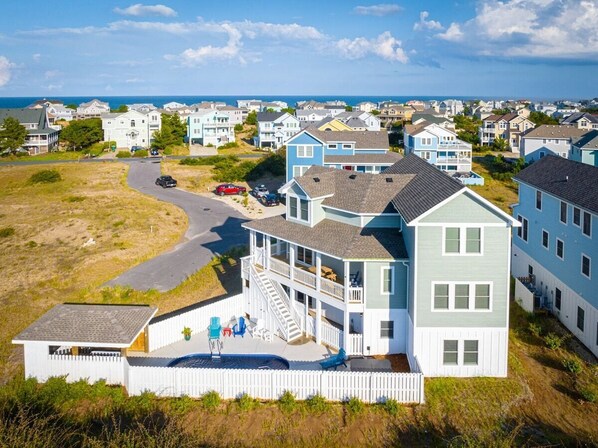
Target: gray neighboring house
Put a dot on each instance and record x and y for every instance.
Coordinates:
(41, 138)
(549, 139)
(407, 261)
(585, 149)
(582, 120)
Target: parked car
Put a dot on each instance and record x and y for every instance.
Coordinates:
(154, 152)
(260, 191)
(270, 200)
(166, 181)
(230, 189)
(136, 148)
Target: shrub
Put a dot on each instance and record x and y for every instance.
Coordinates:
(246, 403)
(167, 151)
(211, 160)
(141, 153)
(355, 406)
(287, 402)
(589, 394)
(31, 244)
(572, 365)
(317, 403)
(535, 329)
(5, 232)
(391, 406)
(553, 341)
(229, 145)
(238, 127)
(45, 177)
(123, 154)
(182, 405)
(75, 199)
(211, 400)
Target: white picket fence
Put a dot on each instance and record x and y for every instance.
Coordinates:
(163, 332)
(331, 336)
(369, 387)
(90, 368)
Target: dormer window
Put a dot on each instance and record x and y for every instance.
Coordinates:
(299, 208)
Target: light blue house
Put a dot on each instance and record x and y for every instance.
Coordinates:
(210, 127)
(585, 148)
(362, 151)
(442, 148)
(557, 243)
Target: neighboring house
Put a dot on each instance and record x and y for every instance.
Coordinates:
(93, 108)
(141, 107)
(208, 105)
(481, 112)
(444, 122)
(310, 105)
(509, 127)
(582, 120)
(409, 261)
(392, 114)
(348, 150)
(131, 128)
(245, 104)
(334, 124)
(546, 108)
(235, 114)
(312, 116)
(41, 138)
(271, 107)
(442, 148)
(450, 107)
(57, 112)
(39, 104)
(173, 105)
(275, 129)
(357, 119)
(585, 148)
(556, 245)
(210, 127)
(366, 106)
(548, 139)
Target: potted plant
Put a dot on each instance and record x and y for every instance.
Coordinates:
(187, 333)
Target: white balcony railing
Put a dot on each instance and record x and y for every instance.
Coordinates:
(280, 267)
(305, 277)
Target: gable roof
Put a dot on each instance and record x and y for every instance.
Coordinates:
(362, 139)
(587, 141)
(576, 116)
(89, 325)
(554, 131)
(269, 116)
(428, 187)
(574, 182)
(429, 118)
(25, 115)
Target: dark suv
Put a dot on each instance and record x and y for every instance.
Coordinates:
(166, 181)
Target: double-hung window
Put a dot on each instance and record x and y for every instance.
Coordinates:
(450, 354)
(577, 216)
(557, 298)
(586, 265)
(299, 170)
(560, 249)
(470, 353)
(463, 240)
(545, 239)
(461, 296)
(387, 329)
(539, 200)
(293, 206)
(304, 151)
(387, 280)
(581, 314)
(441, 297)
(563, 216)
(482, 297)
(522, 231)
(304, 210)
(587, 224)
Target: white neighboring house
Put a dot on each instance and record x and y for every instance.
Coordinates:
(131, 128)
(57, 112)
(372, 123)
(366, 106)
(173, 105)
(93, 108)
(236, 115)
(450, 107)
(247, 103)
(210, 127)
(548, 139)
(141, 107)
(275, 129)
(312, 115)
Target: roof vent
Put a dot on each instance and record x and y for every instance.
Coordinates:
(389, 179)
(316, 179)
(353, 176)
(566, 178)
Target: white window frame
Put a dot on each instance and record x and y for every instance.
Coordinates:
(540, 196)
(392, 282)
(556, 249)
(589, 276)
(303, 262)
(583, 216)
(477, 352)
(332, 146)
(462, 241)
(547, 247)
(451, 297)
(347, 146)
(302, 151)
(521, 232)
(580, 217)
(444, 351)
(392, 329)
(300, 169)
(561, 212)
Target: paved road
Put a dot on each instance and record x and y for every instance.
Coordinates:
(214, 227)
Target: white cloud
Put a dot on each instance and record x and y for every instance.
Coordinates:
(424, 24)
(139, 10)
(452, 34)
(52, 74)
(278, 30)
(5, 70)
(385, 46)
(534, 29)
(382, 9)
(133, 80)
(36, 57)
(229, 51)
(53, 87)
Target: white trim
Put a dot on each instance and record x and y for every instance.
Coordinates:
(542, 240)
(360, 214)
(582, 224)
(580, 217)
(471, 301)
(301, 133)
(392, 281)
(305, 149)
(589, 277)
(556, 249)
(302, 170)
(462, 241)
(289, 184)
(566, 221)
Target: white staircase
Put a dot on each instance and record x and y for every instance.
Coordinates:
(279, 303)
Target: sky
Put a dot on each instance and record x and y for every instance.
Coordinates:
(511, 48)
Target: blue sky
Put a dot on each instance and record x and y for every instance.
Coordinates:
(513, 48)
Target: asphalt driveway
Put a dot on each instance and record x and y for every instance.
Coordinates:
(214, 227)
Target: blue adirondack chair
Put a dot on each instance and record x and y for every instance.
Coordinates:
(240, 327)
(335, 360)
(214, 328)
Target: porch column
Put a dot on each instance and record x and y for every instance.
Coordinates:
(346, 330)
(252, 242)
(346, 282)
(267, 250)
(292, 261)
(306, 317)
(318, 321)
(318, 270)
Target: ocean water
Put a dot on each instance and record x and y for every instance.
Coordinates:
(159, 101)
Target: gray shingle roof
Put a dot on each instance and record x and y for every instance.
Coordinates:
(337, 239)
(429, 118)
(389, 157)
(588, 141)
(263, 117)
(555, 131)
(428, 187)
(362, 139)
(571, 181)
(575, 117)
(96, 325)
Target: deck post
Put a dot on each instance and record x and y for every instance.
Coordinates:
(318, 271)
(318, 321)
(267, 250)
(346, 331)
(292, 261)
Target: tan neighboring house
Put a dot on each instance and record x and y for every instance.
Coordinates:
(93, 108)
(582, 120)
(509, 127)
(389, 115)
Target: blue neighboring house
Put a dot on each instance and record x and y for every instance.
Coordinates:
(361, 151)
(585, 148)
(557, 244)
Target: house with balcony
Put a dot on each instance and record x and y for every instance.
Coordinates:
(210, 127)
(442, 148)
(549, 139)
(584, 149)
(582, 120)
(361, 151)
(555, 248)
(275, 129)
(132, 128)
(366, 106)
(92, 109)
(41, 138)
(509, 127)
(450, 107)
(409, 261)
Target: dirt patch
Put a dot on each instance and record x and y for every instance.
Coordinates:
(398, 363)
